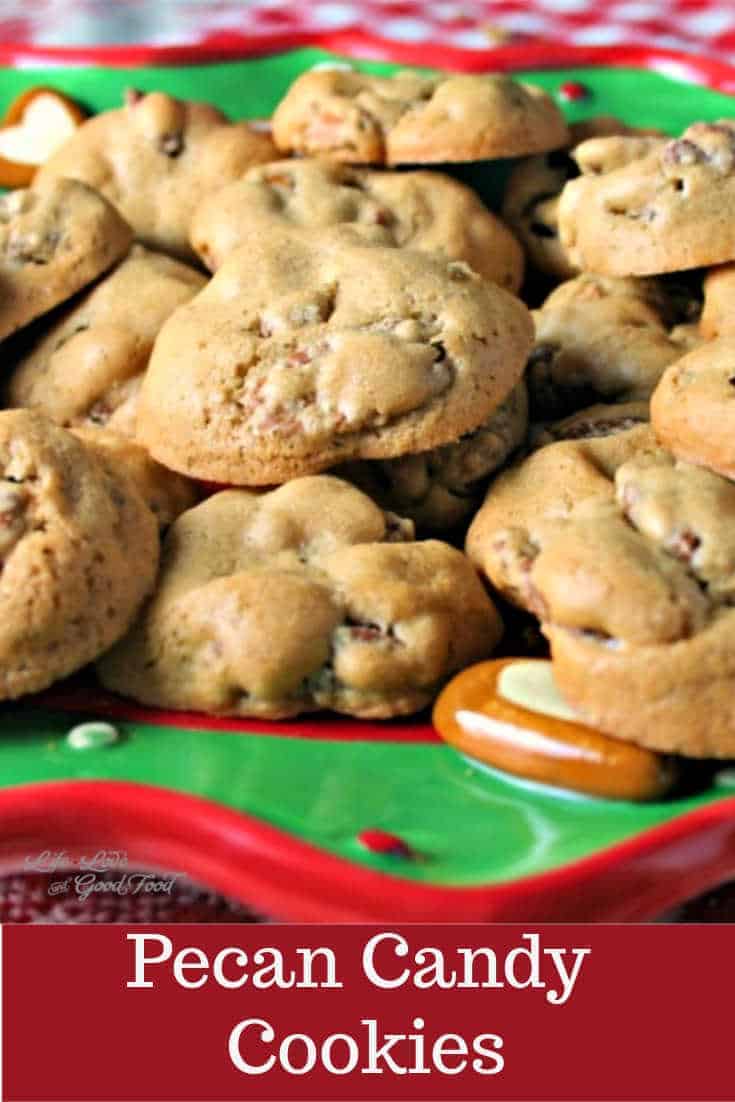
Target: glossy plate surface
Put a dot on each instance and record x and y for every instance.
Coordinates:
(273, 813)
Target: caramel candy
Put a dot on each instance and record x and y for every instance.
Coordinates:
(508, 714)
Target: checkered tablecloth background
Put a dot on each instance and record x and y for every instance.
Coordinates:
(694, 26)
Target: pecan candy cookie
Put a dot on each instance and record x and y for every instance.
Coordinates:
(439, 489)
(297, 357)
(55, 238)
(156, 158)
(627, 556)
(532, 191)
(668, 210)
(410, 118)
(718, 312)
(304, 598)
(693, 407)
(419, 210)
(78, 553)
(87, 367)
(604, 339)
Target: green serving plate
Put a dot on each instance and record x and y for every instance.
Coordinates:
(340, 819)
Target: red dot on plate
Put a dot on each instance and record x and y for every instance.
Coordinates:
(382, 841)
(572, 91)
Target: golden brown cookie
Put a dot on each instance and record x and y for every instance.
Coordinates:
(78, 553)
(602, 339)
(439, 489)
(718, 308)
(411, 118)
(166, 493)
(295, 358)
(87, 367)
(627, 555)
(427, 211)
(156, 158)
(666, 210)
(530, 207)
(55, 238)
(532, 191)
(303, 598)
(693, 407)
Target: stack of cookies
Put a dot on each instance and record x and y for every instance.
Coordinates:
(298, 356)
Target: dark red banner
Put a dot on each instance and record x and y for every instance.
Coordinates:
(431, 1013)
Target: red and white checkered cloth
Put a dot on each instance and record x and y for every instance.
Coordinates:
(704, 27)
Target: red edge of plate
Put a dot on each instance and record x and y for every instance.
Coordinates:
(281, 875)
(251, 860)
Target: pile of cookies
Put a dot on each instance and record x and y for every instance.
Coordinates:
(260, 377)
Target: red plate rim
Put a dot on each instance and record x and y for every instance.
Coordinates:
(251, 860)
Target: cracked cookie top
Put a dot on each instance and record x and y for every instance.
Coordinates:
(413, 118)
(654, 206)
(295, 358)
(55, 238)
(439, 489)
(155, 159)
(78, 552)
(307, 597)
(87, 367)
(427, 211)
